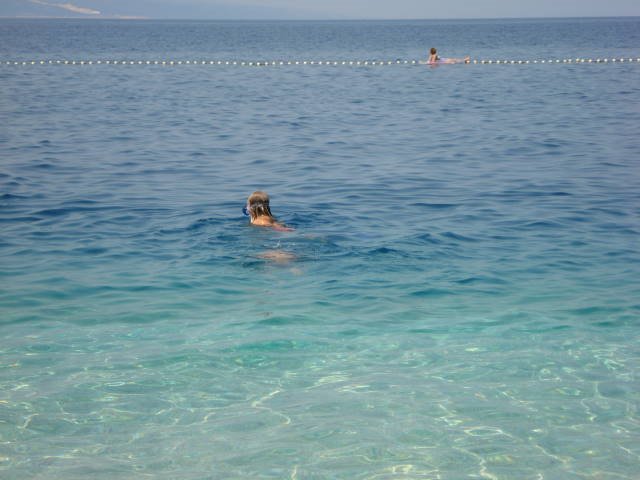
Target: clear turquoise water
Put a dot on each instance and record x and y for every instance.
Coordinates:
(465, 299)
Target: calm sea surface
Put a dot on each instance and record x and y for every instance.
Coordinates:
(465, 299)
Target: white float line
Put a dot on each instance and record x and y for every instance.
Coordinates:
(311, 62)
(556, 61)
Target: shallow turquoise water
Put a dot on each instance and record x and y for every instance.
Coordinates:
(464, 303)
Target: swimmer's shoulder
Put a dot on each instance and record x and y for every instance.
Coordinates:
(263, 222)
(271, 223)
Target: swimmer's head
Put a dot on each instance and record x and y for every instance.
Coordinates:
(433, 51)
(258, 205)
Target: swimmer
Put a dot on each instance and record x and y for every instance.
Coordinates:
(258, 210)
(434, 59)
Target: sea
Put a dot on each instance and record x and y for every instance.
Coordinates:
(460, 295)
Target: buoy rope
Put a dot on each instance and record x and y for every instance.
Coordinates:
(260, 63)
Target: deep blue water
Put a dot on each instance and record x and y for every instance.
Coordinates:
(464, 302)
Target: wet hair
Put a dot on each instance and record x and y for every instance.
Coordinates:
(433, 51)
(259, 205)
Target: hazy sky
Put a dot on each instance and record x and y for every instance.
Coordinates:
(319, 9)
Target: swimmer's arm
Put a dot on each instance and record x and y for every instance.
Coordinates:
(282, 228)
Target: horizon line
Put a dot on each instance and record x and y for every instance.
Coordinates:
(328, 19)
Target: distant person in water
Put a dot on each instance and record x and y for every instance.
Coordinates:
(260, 214)
(434, 59)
